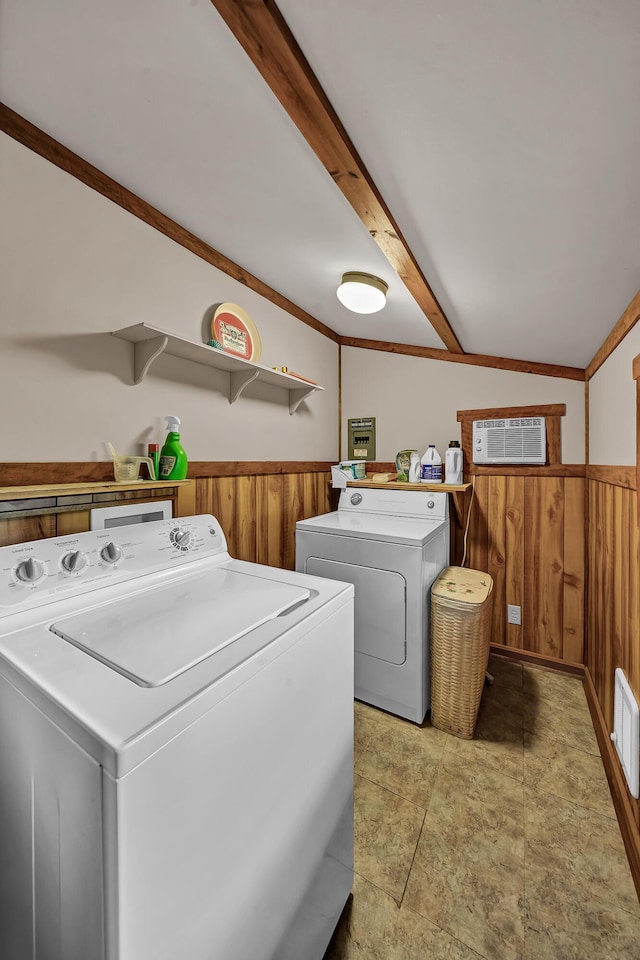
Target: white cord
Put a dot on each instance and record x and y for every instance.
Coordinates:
(466, 529)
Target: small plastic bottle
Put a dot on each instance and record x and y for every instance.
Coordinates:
(154, 456)
(431, 465)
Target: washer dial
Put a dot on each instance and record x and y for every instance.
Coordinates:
(111, 553)
(181, 539)
(74, 562)
(31, 570)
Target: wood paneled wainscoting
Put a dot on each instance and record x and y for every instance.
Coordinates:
(259, 504)
(527, 531)
(613, 622)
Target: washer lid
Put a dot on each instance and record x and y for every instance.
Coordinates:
(155, 636)
(371, 526)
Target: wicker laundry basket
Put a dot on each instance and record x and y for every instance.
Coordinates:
(461, 608)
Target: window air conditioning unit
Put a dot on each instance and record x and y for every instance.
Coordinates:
(522, 440)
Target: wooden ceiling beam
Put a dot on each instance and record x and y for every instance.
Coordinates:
(627, 321)
(470, 359)
(264, 35)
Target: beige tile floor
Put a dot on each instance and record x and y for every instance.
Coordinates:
(505, 847)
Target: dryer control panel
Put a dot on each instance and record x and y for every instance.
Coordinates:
(424, 504)
(40, 570)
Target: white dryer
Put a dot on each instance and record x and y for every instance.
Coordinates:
(391, 545)
(176, 750)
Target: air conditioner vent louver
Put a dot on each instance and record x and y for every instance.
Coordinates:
(521, 440)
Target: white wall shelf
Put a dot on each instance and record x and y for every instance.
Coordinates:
(150, 342)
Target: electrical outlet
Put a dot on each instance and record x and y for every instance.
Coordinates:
(514, 614)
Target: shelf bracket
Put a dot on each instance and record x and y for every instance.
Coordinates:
(240, 380)
(144, 353)
(297, 396)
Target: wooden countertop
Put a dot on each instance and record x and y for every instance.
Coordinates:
(400, 485)
(71, 489)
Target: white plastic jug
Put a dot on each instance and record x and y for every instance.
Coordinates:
(431, 465)
(415, 468)
(453, 466)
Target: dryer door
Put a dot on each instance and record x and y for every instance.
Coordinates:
(380, 607)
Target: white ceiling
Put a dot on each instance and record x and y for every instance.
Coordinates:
(504, 136)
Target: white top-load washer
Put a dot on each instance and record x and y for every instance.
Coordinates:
(176, 764)
(391, 545)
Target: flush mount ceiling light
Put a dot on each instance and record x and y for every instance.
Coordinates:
(362, 292)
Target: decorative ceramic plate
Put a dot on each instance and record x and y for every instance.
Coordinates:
(236, 332)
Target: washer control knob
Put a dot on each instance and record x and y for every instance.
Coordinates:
(30, 571)
(430, 504)
(111, 553)
(356, 498)
(74, 562)
(182, 539)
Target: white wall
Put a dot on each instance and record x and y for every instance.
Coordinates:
(612, 406)
(415, 400)
(75, 266)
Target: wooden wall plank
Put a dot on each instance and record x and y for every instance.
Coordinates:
(633, 669)
(269, 520)
(457, 526)
(204, 496)
(603, 622)
(496, 553)
(613, 600)
(74, 522)
(594, 574)
(544, 547)
(573, 570)
(478, 542)
(619, 600)
(634, 608)
(324, 488)
(223, 508)
(245, 518)
(310, 496)
(607, 602)
(293, 511)
(531, 587)
(514, 560)
(27, 528)
(185, 502)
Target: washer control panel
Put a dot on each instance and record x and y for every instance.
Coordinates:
(40, 570)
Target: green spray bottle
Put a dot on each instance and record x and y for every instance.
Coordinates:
(173, 459)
